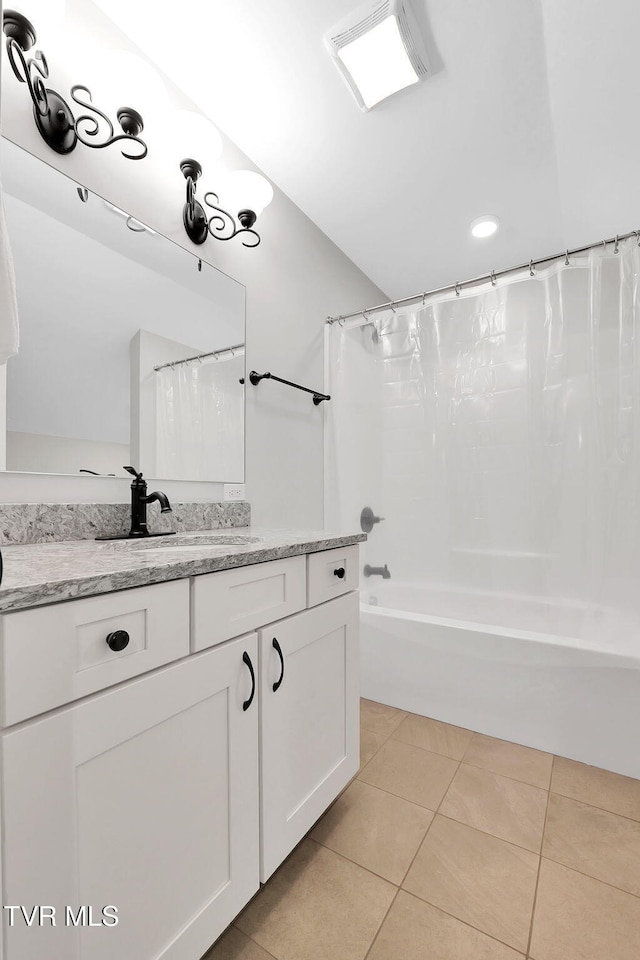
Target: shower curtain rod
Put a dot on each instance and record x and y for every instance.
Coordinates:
(201, 356)
(457, 287)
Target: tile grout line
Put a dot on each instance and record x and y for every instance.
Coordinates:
(466, 762)
(382, 922)
(465, 923)
(486, 833)
(259, 945)
(535, 894)
(423, 841)
(362, 766)
(588, 876)
(446, 912)
(594, 806)
(378, 876)
(527, 783)
(447, 816)
(475, 733)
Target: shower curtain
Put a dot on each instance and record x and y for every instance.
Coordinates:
(200, 420)
(498, 434)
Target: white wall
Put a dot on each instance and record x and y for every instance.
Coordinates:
(294, 279)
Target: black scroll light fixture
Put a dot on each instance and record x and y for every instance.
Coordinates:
(246, 191)
(54, 118)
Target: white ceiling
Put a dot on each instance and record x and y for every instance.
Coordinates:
(531, 115)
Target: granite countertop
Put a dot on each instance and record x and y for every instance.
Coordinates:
(41, 573)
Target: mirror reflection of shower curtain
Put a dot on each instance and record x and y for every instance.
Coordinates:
(498, 432)
(200, 420)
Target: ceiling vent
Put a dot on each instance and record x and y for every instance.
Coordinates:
(379, 50)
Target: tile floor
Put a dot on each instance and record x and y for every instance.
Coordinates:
(450, 845)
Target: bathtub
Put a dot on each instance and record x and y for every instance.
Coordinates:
(458, 658)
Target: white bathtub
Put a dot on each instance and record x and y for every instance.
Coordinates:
(579, 698)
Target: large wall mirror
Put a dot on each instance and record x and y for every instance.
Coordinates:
(129, 353)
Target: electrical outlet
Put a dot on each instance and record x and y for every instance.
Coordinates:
(234, 491)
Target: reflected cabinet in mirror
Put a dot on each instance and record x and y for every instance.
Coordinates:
(129, 353)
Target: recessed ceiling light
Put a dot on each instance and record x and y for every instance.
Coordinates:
(484, 226)
(379, 50)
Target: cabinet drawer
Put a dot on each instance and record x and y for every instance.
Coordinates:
(53, 655)
(324, 569)
(232, 602)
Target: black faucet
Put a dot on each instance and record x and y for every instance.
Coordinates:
(139, 501)
(377, 571)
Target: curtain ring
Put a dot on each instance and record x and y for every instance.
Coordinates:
(604, 246)
(532, 271)
(493, 278)
(615, 245)
(566, 257)
(199, 265)
(457, 289)
(424, 297)
(393, 306)
(364, 316)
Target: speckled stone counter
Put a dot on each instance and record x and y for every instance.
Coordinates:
(36, 574)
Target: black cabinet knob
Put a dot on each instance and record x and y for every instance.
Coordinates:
(118, 640)
(339, 573)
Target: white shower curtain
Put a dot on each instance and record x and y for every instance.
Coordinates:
(200, 420)
(498, 433)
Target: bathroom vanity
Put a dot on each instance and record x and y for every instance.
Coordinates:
(165, 746)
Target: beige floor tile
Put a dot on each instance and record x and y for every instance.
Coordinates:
(370, 743)
(593, 841)
(486, 882)
(434, 735)
(510, 760)
(497, 805)
(377, 830)
(410, 772)
(578, 918)
(317, 906)
(379, 718)
(610, 791)
(414, 930)
(235, 945)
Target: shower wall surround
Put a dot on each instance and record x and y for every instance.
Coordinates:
(54, 522)
(499, 434)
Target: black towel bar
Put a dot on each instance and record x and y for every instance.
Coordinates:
(255, 379)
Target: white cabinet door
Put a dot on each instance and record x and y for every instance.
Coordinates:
(144, 798)
(308, 721)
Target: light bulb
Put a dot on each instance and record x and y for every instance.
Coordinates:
(484, 227)
(245, 190)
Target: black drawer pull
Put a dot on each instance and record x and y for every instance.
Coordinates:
(339, 573)
(247, 659)
(118, 640)
(278, 649)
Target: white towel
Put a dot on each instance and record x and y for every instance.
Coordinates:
(9, 329)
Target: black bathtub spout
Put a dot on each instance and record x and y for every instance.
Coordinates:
(383, 572)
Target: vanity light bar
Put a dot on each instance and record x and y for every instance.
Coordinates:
(62, 130)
